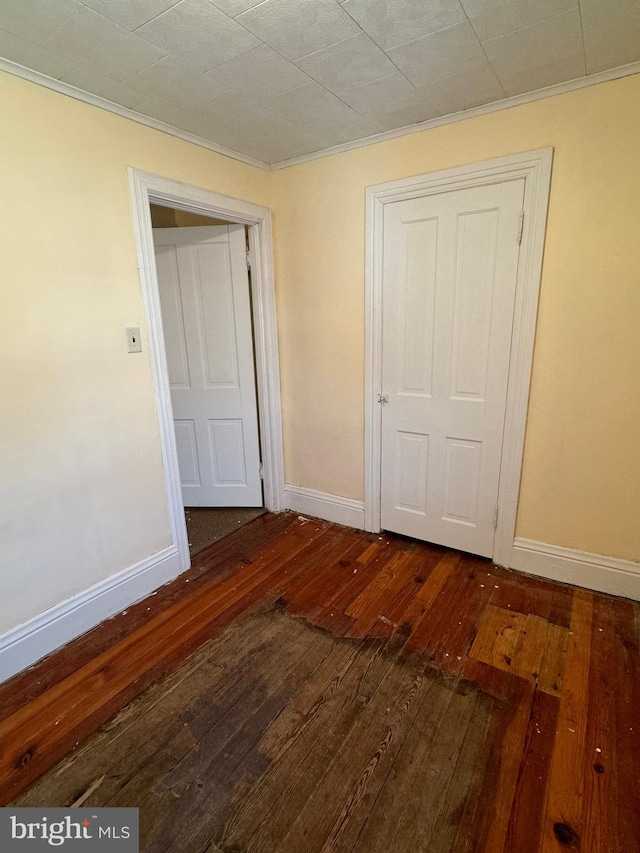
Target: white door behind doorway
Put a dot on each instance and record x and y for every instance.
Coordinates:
(206, 317)
(449, 282)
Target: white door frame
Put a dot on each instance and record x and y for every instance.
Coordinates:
(535, 168)
(146, 188)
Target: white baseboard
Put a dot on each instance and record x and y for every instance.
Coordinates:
(328, 507)
(604, 574)
(23, 646)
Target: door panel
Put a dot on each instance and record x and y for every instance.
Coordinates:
(449, 277)
(206, 316)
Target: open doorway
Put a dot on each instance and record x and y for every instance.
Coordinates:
(147, 189)
(203, 272)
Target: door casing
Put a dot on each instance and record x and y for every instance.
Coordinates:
(535, 168)
(145, 189)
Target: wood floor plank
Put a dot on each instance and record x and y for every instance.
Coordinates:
(466, 785)
(503, 769)
(554, 660)
(345, 594)
(456, 635)
(437, 776)
(431, 590)
(284, 790)
(418, 568)
(498, 634)
(355, 769)
(371, 610)
(626, 673)
(307, 687)
(362, 797)
(407, 774)
(217, 562)
(563, 819)
(227, 755)
(438, 610)
(332, 572)
(137, 748)
(57, 720)
(601, 795)
(525, 823)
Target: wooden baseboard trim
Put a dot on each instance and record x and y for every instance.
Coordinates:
(333, 508)
(581, 568)
(23, 646)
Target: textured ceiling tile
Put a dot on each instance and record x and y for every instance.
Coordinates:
(383, 95)
(613, 45)
(233, 110)
(260, 73)
(542, 76)
(442, 54)
(236, 7)
(394, 22)
(463, 91)
(491, 18)
(176, 82)
(308, 103)
(254, 101)
(104, 87)
(345, 128)
(611, 33)
(129, 13)
(145, 105)
(296, 28)
(187, 119)
(271, 141)
(598, 13)
(97, 43)
(348, 63)
(34, 19)
(538, 44)
(33, 56)
(198, 34)
(406, 116)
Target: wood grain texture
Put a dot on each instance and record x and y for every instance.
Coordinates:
(524, 645)
(309, 687)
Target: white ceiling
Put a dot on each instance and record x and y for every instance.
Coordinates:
(278, 79)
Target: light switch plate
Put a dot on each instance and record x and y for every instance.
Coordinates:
(134, 341)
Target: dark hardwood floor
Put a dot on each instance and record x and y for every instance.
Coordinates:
(307, 687)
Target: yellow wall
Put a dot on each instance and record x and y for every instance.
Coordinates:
(580, 486)
(81, 487)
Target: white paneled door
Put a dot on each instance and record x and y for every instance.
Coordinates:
(206, 317)
(449, 282)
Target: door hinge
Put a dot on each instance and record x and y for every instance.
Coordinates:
(495, 517)
(520, 227)
(383, 399)
(249, 259)
(261, 471)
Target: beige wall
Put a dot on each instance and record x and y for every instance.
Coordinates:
(81, 487)
(580, 486)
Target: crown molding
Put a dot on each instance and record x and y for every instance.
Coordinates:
(95, 101)
(21, 71)
(495, 106)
